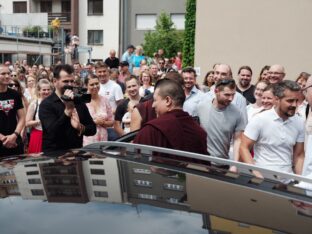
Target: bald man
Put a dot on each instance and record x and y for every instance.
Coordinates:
(112, 61)
(276, 73)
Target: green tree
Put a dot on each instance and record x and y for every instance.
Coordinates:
(164, 37)
(189, 38)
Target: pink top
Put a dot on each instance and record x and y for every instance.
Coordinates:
(104, 111)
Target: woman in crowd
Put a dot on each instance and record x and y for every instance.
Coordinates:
(302, 103)
(146, 81)
(16, 85)
(136, 59)
(208, 82)
(100, 110)
(257, 107)
(264, 73)
(30, 90)
(43, 90)
(43, 74)
(268, 98)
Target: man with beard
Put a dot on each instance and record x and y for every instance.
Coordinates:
(277, 135)
(193, 95)
(244, 84)
(132, 89)
(64, 123)
(222, 121)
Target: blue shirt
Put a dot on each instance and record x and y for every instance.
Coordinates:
(192, 101)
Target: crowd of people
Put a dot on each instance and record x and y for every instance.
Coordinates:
(267, 124)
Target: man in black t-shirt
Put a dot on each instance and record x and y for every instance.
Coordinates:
(112, 61)
(132, 89)
(244, 85)
(12, 117)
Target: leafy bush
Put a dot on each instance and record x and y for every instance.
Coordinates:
(164, 37)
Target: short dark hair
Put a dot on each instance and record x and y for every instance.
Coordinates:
(244, 68)
(279, 88)
(171, 88)
(189, 70)
(132, 77)
(222, 83)
(62, 67)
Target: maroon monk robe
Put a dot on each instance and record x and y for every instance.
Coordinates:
(176, 130)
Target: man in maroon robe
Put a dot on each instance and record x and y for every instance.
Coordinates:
(173, 128)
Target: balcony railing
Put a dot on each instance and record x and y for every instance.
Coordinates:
(37, 32)
(64, 17)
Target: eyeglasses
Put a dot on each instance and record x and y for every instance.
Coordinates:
(13, 85)
(305, 88)
(276, 73)
(225, 82)
(13, 75)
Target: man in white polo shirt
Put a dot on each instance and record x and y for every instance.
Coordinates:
(277, 135)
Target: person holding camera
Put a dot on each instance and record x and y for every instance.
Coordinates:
(64, 123)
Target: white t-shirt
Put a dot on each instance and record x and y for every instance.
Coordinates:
(275, 139)
(112, 91)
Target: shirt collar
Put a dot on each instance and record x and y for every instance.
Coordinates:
(54, 97)
(194, 90)
(277, 117)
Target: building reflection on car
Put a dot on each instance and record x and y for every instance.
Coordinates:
(112, 180)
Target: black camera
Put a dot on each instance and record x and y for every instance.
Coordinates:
(80, 95)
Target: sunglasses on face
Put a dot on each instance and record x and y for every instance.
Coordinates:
(13, 85)
(225, 82)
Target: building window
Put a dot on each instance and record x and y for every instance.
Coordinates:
(19, 7)
(95, 37)
(95, 7)
(145, 22)
(37, 192)
(100, 194)
(178, 20)
(46, 6)
(66, 7)
(147, 196)
(175, 187)
(141, 171)
(34, 181)
(5, 57)
(97, 171)
(173, 200)
(143, 183)
(34, 59)
(30, 165)
(96, 162)
(32, 173)
(99, 182)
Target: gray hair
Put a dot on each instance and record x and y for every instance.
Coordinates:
(279, 88)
